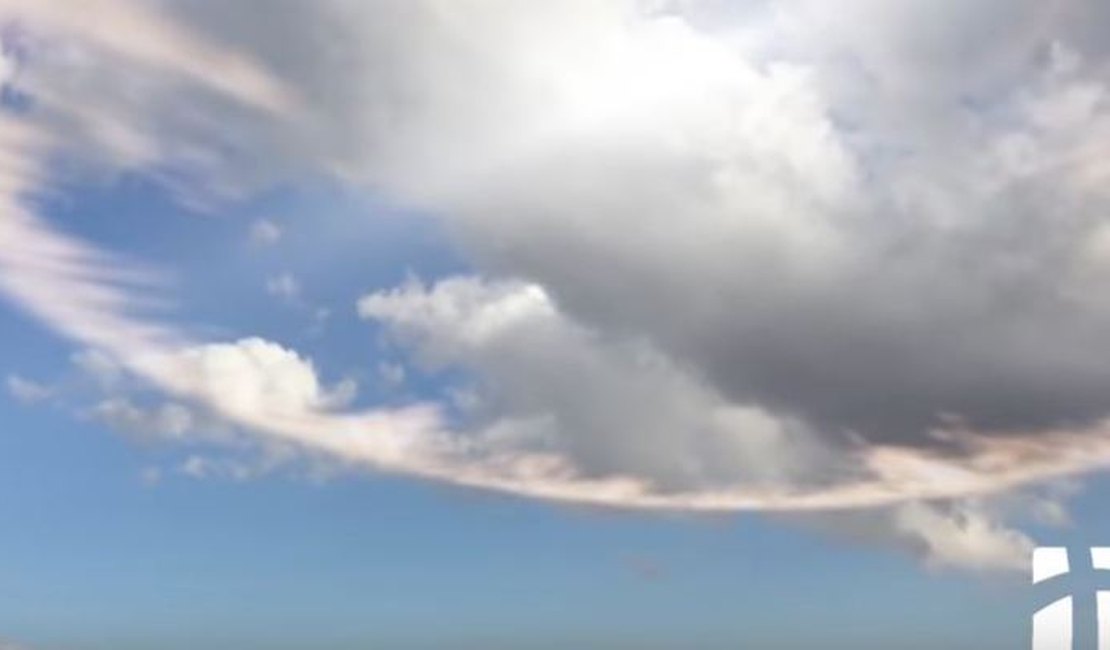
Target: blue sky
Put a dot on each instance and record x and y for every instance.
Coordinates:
(592, 324)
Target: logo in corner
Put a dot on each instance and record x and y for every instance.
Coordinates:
(1062, 622)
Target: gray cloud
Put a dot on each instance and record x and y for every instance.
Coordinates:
(798, 253)
(875, 218)
(612, 408)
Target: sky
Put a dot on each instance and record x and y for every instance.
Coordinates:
(576, 324)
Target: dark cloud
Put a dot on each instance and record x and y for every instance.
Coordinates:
(873, 218)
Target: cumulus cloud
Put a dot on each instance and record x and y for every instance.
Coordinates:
(973, 534)
(869, 246)
(792, 256)
(964, 537)
(611, 408)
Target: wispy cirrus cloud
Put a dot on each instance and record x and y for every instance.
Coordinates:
(26, 390)
(264, 232)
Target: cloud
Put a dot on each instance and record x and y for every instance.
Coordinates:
(791, 216)
(964, 537)
(795, 257)
(27, 391)
(285, 287)
(152, 41)
(100, 366)
(392, 374)
(167, 421)
(609, 408)
(206, 468)
(549, 385)
(264, 232)
(968, 534)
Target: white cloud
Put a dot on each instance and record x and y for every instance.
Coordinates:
(968, 534)
(206, 468)
(151, 476)
(342, 394)
(168, 421)
(285, 287)
(264, 232)
(100, 367)
(964, 536)
(152, 40)
(26, 390)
